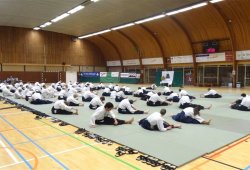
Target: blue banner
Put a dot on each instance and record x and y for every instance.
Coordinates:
(90, 74)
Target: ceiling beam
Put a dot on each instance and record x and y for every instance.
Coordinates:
(192, 48)
(134, 44)
(228, 24)
(101, 52)
(116, 49)
(158, 43)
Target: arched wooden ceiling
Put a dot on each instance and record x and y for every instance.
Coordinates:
(88, 49)
(179, 33)
(146, 43)
(238, 11)
(107, 49)
(126, 48)
(171, 37)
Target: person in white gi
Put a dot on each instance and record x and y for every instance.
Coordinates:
(96, 102)
(73, 100)
(126, 107)
(104, 116)
(156, 100)
(190, 115)
(211, 94)
(242, 104)
(155, 121)
(61, 107)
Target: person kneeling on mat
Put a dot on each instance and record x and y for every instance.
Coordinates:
(155, 121)
(104, 116)
(126, 107)
(190, 115)
(61, 107)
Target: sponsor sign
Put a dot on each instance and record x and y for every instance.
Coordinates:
(90, 74)
(152, 61)
(181, 59)
(114, 63)
(131, 62)
(243, 55)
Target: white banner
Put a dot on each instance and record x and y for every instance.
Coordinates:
(130, 75)
(114, 74)
(210, 57)
(114, 63)
(71, 76)
(124, 75)
(167, 77)
(243, 55)
(103, 74)
(131, 62)
(181, 59)
(152, 61)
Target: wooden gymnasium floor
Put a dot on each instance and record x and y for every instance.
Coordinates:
(26, 143)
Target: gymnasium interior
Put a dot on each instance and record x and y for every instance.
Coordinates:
(191, 45)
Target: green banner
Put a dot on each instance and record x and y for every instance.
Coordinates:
(109, 77)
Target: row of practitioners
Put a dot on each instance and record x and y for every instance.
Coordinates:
(38, 93)
(104, 115)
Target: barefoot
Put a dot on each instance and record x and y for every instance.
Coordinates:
(130, 121)
(208, 122)
(177, 126)
(209, 107)
(92, 126)
(146, 112)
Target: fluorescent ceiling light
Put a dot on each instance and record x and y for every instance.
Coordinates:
(185, 9)
(122, 26)
(97, 33)
(199, 5)
(74, 10)
(214, 1)
(150, 19)
(36, 28)
(60, 17)
(85, 36)
(94, 0)
(172, 13)
(101, 32)
(47, 23)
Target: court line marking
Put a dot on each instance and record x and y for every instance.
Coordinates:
(35, 158)
(96, 148)
(16, 113)
(228, 147)
(8, 151)
(41, 148)
(45, 156)
(18, 153)
(216, 154)
(40, 139)
(7, 130)
(223, 163)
